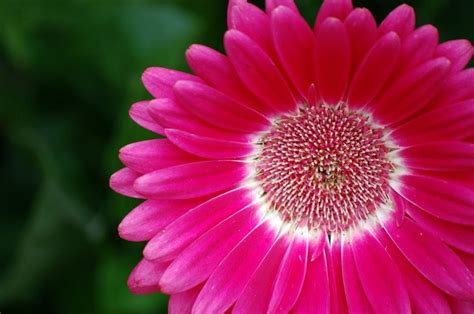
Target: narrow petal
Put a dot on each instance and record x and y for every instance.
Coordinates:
(290, 276)
(151, 155)
(258, 72)
(232, 3)
(401, 20)
(271, 5)
(458, 87)
(294, 42)
(218, 109)
(399, 204)
(207, 147)
(182, 303)
(332, 60)
(139, 113)
(122, 182)
(467, 259)
(253, 22)
(145, 277)
(160, 81)
(410, 92)
(459, 52)
(197, 262)
(336, 283)
(360, 21)
(447, 123)
(418, 47)
(216, 70)
(373, 262)
(232, 275)
(191, 180)
(356, 299)
(458, 236)
(444, 199)
(258, 292)
(374, 71)
(339, 9)
(439, 156)
(150, 217)
(314, 297)
(173, 116)
(178, 235)
(461, 306)
(463, 178)
(424, 296)
(431, 257)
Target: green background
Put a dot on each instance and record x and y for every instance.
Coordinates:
(69, 71)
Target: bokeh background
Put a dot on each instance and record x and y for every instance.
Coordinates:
(69, 71)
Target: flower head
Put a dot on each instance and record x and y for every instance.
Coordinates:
(325, 170)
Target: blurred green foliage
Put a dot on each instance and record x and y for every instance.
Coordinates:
(69, 70)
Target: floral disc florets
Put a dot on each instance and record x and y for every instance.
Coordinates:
(324, 166)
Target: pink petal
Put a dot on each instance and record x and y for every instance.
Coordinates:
(232, 275)
(418, 47)
(468, 259)
(254, 23)
(258, 72)
(178, 235)
(374, 71)
(151, 155)
(122, 182)
(271, 5)
(458, 236)
(332, 60)
(461, 306)
(356, 299)
(401, 20)
(424, 296)
(339, 9)
(151, 216)
(197, 262)
(218, 109)
(435, 260)
(191, 180)
(172, 116)
(447, 123)
(439, 156)
(145, 277)
(459, 87)
(216, 69)
(441, 198)
(400, 205)
(290, 276)
(294, 42)
(232, 3)
(360, 21)
(182, 303)
(314, 297)
(459, 52)
(410, 92)
(336, 283)
(160, 81)
(207, 147)
(388, 295)
(139, 113)
(463, 178)
(258, 292)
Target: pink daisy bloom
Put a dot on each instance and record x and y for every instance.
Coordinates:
(325, 170)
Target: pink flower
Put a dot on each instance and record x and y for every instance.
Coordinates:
(313, 171)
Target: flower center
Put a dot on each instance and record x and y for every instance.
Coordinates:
(324, 167)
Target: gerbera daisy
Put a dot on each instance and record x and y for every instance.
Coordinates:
(327, 170)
